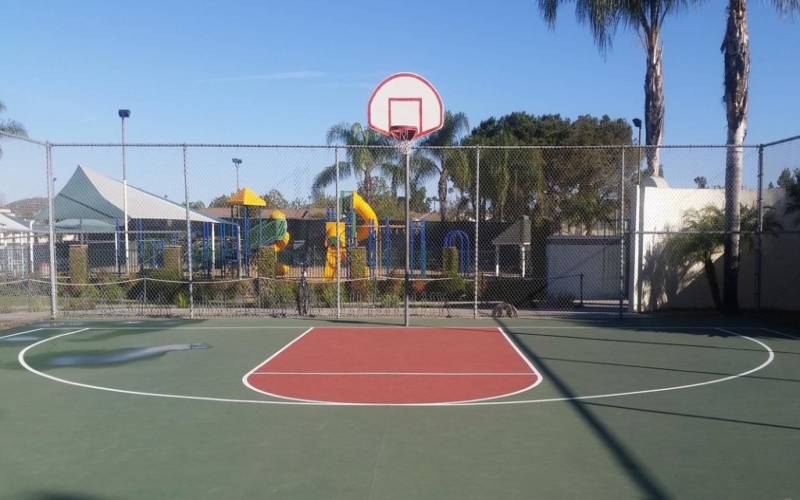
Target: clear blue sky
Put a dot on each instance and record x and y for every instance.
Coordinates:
(283, 72)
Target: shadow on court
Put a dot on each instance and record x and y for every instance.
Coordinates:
(53, 495)
(689, 415)
(636, 471)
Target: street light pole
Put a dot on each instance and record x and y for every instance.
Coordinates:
(125, 113)
(236, 163)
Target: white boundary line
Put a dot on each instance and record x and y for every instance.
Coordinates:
(770, 357)
(341, 403)
(623, 326)
(21, 359)
(782, 334)
(20, 333)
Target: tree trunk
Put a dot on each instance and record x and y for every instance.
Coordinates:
(736, 51)
(713, 284)
(443, 194)
(654, 101)
(368, 185)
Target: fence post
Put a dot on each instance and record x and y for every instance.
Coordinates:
(477, 218)
(338, 243)
(621, 230)
(188, 232)
(51, 231)
(759, 228)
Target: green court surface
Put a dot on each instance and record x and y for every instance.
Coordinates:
(645, 408)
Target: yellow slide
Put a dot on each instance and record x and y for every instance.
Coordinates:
(330, 242)
(365, 212)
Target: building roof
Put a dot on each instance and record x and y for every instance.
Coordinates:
(8, 224)
(518, 233)
(89, 194)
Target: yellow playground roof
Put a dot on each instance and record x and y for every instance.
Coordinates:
(246, 197)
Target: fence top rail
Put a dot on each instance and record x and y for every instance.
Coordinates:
(781, 141)
(418, 147)
(22, 138)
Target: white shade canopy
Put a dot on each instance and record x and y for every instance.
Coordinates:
(89, 194)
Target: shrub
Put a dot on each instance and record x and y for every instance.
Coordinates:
(181, 300)
(278, 294)
(450, 261)
(266, 259)
(113, 292)
(361, 289)
(452, 288)
(323, 293)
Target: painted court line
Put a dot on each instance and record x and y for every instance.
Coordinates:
(23, 362)
(20, 333)
(361, 327)
(533, 373)
(782, 334)
(421, 374)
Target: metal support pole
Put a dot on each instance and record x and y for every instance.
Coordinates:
(336, 232)
(760, 228)
(31, 243)
(213, 249)
(125, 200)
(408, 237)
(621, 230)
(188, 232)
(477, 219)
(51, 231)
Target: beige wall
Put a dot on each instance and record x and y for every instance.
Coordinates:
(665, 286)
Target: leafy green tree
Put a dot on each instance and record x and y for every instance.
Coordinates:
(360, 160)
(275, 199)
(220, 201)
(701, 182)
(736, 54)
(445, 160)
(646, 18)
(702, 236)
(791, 183)
(10, 127)
(554, 186)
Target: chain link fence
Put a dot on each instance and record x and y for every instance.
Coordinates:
(220, 230)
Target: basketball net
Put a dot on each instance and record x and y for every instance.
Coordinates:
(404, 135)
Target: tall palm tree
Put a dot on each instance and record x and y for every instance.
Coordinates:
(646, 18)
(455, 125)
(10, 126)
(736, 53)
(369, 150)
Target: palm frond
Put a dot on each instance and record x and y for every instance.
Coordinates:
(328, 176)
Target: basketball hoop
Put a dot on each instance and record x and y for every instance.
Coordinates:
(403, 133)
(406, 107)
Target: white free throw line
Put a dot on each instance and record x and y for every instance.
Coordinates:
(423, 374)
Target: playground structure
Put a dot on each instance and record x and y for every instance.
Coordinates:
(348, 234)
(272, 232)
